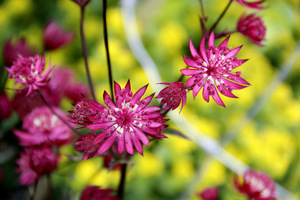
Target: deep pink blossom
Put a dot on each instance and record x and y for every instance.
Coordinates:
(212, 70)
(252, 27)
(36, 162)
(5, 106)
(28, 72)
(254, 5)
(209, 194)
(12, 50)
(42, 126)
(127, 122)
(256, 185)
(97, 193)
(173, 95)
(55, 36)
(86, 144)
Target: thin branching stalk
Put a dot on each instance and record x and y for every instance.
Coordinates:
(55, 113)
(221, 16)
(84, 50)
(107, 48)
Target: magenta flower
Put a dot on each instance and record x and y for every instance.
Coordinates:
(96, 193)
(209, 194)
(87, 145)
(5, 106)
(256, 185)
(55, 36)
(252, 27)
(36, 162)
(212, 70)
(254, 5)
(125, 123)
(173, 95)
(41, 126)
(11, 51)
(28, 72)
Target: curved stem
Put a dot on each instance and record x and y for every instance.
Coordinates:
(221, 16)
(203, 20)
(122, 181)
(32, 195)
(84, 50)
(49, 187)
(56, 114)
(107, 49)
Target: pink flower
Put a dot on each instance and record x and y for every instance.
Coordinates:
(212, 70)
(256, 185)
(96, 193)
(173, 95)
(11, 51)
(28, 72)
(127, 122)
(86, 111)
(55, 36)
(36, 162)
(252, 27)
(42, 126)
(254, 5)
(5, 106)
(209, 194)
(87, 145)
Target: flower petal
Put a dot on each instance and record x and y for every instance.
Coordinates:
(107, 144)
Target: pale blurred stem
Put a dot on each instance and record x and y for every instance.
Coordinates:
(121, 187)
(104, 7)
(49, 187)
(84, 51)
(34, 190)
(56, 114)
(224, 33)
(221, 16)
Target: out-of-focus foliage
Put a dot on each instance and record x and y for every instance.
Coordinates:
(270, 142)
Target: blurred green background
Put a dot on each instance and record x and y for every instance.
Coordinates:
(270, 142)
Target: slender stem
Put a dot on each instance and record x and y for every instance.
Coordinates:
(122, 181)
(4, 77)
(50, 196)
(221, 16)
(202, 9)
(56, 114)
(203, 20)
(106, 48)
(32, 195)
(84, 50)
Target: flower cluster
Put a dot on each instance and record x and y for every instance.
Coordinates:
(125, 123)
(96, 193)
(256, 185)
(212, 70)
(28, 71)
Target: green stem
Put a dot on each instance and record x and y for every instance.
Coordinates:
(107, 48)
(121, 187)
(221, 16)
(84, 50)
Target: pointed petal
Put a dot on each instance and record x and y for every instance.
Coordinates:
(190, 62)
(137, 96)
(138, 145)
(108, 101)
(151, 109)
(193, 51)
(225, 92)
(202, 50)
(211, 40)
(223, 44)
(100, 125)
(144, 139)
(233, 52)
(146, 101)
(216, 97)
(205, 93)
(191, 81)
(99, 138)
(117, 89)
(121, 144)
(107, 144)
(190, 72)
(128, 143)
(233, 85)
